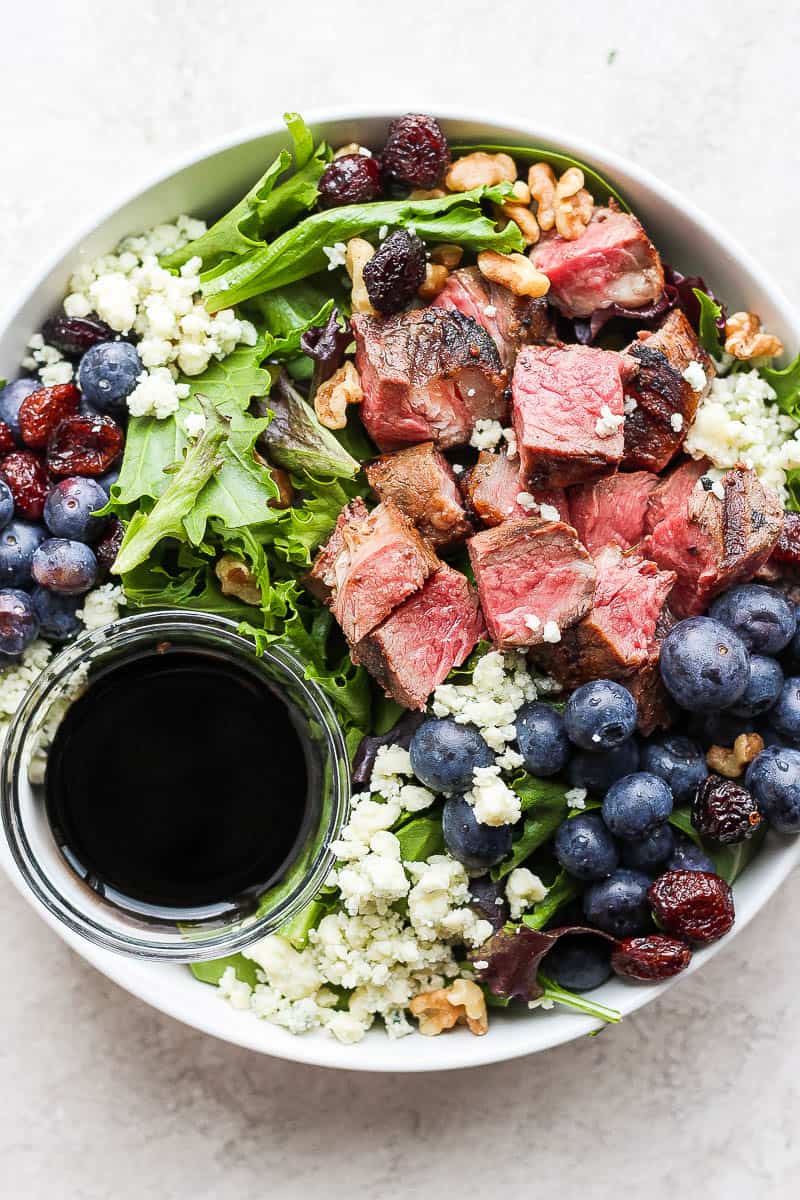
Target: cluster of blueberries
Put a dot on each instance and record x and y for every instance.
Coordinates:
(732, 672)
(46, 567)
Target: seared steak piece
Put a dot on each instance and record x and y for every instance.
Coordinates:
(321, 579)
(710, 543)
(567, 413)
(665, 402)
(612, 262)
(530, 573)
(611, 509)
(785, 559)
(415, 648)
(427, 375)
(512, 321)
(370, 565)
(655, 707)
(491, 489)
(421, 482)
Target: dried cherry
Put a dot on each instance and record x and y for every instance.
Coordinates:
(695, 905)
(107, 549)
(416, 151)
(653, 957)
(395, 271)
(725, 811)
(73, 336)
(26, 476)
(350, 179)
(40, 412)
(7, 440)
(84, 445)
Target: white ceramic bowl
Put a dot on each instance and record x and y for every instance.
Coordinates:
(206, 185)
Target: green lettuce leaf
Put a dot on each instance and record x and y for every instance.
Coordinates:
(212, 972)
(793, 487)
(419, 838)
(600, 188)
(298, 442)
(559, 893)
(786, 385)
(708, 331)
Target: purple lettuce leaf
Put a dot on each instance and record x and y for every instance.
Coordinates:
(484, 894)
(326, 344)
(400, 735)
(514, 957)
(684, 286)
(587, 329)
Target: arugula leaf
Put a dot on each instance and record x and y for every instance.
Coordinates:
(212, 972)
(419, 838)
(544, 808)
(708, 329)
(296, 439)
(559, 893)
(299, 252)
(786, 385)
(600, 188)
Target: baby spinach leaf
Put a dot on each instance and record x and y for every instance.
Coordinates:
(559, 893)
(600, 188)
(212, 972)
(297, 930)
(544, 808)
(419, 838)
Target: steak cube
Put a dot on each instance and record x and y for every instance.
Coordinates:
(567, 413)
(415, 648)
(531, 573)
(321, 579)
(421, 483)
(666, 403)
(511, 321)
(370, 565)
(612, 262)
(611, 510)
(710, 542)
(654, 705)
(427, 375)
(492, 488)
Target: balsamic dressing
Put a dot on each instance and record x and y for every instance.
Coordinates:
(176, 785)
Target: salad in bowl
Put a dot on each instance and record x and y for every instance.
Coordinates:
(438, 416)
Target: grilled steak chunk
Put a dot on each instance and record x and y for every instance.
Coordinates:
(654, 704)
(321, 579)
(512, 321)
(416, 647)
(612, 262)
(785, 557)
(710, 543)
(611, 509)
(665, 402)
(491, 489)
(530, 572)
(427, 375)
(370, 565)
(565, 399)
(421, 482)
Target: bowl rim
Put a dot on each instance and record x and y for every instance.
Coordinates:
(454, 1053)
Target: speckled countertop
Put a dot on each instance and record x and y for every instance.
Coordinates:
(100, 1096)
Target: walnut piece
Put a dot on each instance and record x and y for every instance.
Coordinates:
(565, 204)
(514, 271)
(745, 338)
(447, 255)
(359, 252)
(524, 219)
(480, 170)
(542, 186)
(236, 579)
(333, 396)
(435, 279)
(463, 1003)
(427, 194)
(732, 762)
(352, 148)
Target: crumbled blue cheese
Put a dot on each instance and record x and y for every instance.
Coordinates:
(576, 797)
(336, 255)
(551, 633)
(392, 763)
(157, 394)
(16, 678)
(717, 489)
(523, 889)
(510, 438)
(489, 311)
(533, 622)
(194, 425)
(608, 423)
(492, 799)
(676, 421)
(695, 376)
(48, 361)
(486, 435)
(549, 512)
(101, 606)
(500, 685)
(528, 502)
(629, 405)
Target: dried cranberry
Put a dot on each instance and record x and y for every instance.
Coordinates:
(84, 445)
(107, 549)
(40, 412)
(26, 476)
(7, 440)
(350, 179)
(73, 336)
(653, 957)
(695, 905)
(395, 271)
(725, 811)
(416, 151)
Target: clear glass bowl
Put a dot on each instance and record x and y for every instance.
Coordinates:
(87, 911)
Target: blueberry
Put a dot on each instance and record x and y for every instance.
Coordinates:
(596, 772)
(763, 687)
(636, 805)
(579, 962)
(678, 761)
(793, 649)
(56, 614)
(618, 905)
(687, 856)
(108, 480)
(11, 397)
(651, 852)
(18, 621)
(444, 754)
(600, 715)
(763, 618)
(107, 375)
(475, 845)
(6, 504)
(784, 716)
(64, 566)
(704, 665)
(585, 848)
(69, 506)
(542, 739)
(774, 779)
(18, 541)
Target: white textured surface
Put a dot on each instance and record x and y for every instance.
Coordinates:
(102, 1097)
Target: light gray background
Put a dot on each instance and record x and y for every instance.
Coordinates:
(101, 1097)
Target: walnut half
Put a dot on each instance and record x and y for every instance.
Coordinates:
(514, 271)
(746, 339)
(333, 396)
(732, 762)
(236, 579)
(463, 1003)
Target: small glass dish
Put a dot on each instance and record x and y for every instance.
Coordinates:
(84, 908)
